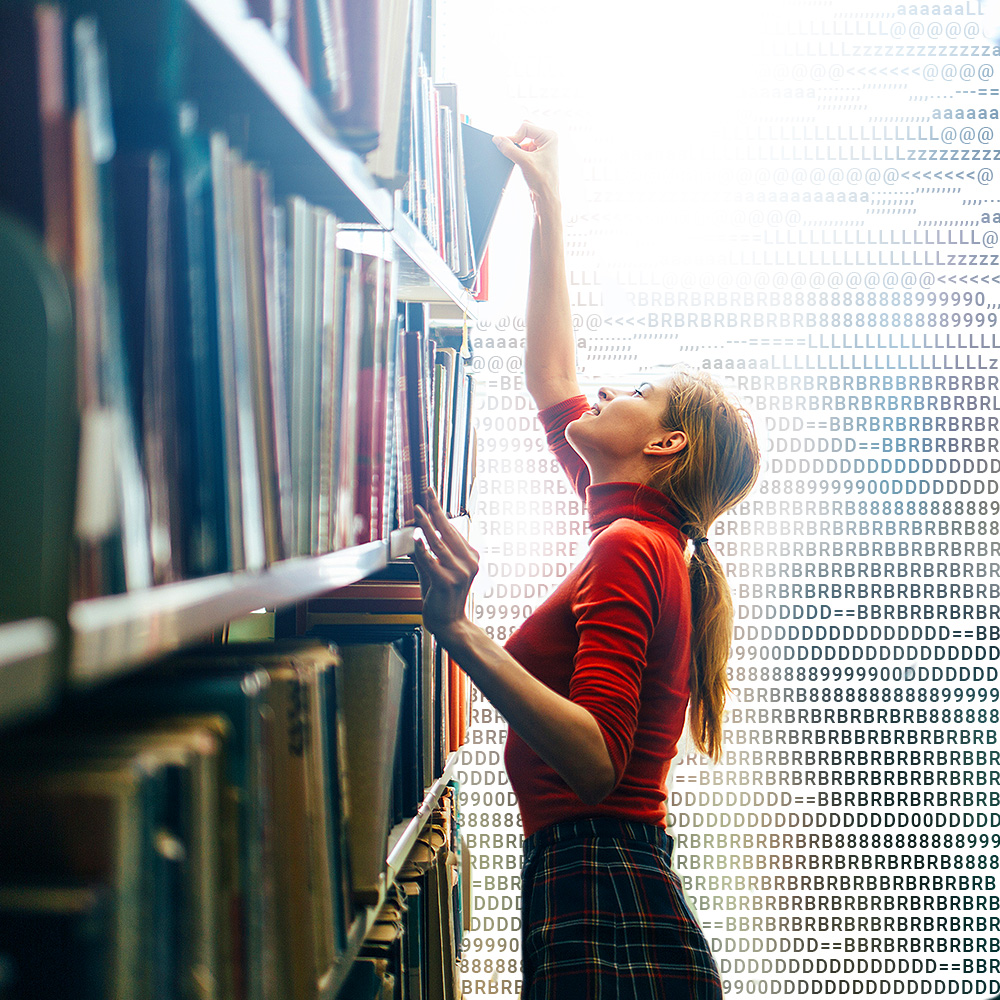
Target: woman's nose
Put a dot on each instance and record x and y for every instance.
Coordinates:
(606, 394)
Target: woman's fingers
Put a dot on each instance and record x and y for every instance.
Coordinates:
(433, 539)
(509, 148)
(440, 520)
(452, 551)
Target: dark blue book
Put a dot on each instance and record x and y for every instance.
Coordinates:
(199, 395)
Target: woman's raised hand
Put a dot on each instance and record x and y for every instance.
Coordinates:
(534, 150)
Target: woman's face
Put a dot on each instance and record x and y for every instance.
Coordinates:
(621, 424)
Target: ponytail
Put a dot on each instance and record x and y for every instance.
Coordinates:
(714, 472)
(711, 631)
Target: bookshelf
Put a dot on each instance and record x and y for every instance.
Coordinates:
(174, 56)
(402, 839)
(284, 119)
(114, 635)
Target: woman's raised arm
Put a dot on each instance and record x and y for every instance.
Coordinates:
(550, 351)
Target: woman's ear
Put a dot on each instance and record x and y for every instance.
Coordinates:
(671, 443)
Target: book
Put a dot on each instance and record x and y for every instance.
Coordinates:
(301, 363)
(199, 389)
(487, 172)
(358, 122)
(254, 206)
(246, 516)
(329, 58)
(326, 344)
(112, 525)
(36, 183)
(408, 785)
(142, 195)
(351, 262)
(413, 931)
(272, 220)
(377, 313)
(382, 440)
(389, 161)
(372, 686)
(303, 887)
(414, 402)
(465, 267)
(330, 387)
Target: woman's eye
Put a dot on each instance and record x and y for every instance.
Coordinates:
(637, 392)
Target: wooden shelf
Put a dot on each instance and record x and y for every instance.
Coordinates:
(29, 668)
(110, 635)
(402, 839)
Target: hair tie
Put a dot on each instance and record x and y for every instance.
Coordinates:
(698, 542)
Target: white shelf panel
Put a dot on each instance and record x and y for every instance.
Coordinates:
(113, 634)
(29, 668)
(423, 275)
(404, 836)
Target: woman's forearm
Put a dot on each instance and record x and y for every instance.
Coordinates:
(550, 351)
(565, 735)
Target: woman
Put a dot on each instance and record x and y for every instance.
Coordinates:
(596, 683)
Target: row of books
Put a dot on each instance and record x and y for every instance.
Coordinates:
(350, 54)
(369, 63)
(436, 693)
(238, 354)
(212, 829)
(411, 951)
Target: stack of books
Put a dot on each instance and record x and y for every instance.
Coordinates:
(435, 434)
(213, 829)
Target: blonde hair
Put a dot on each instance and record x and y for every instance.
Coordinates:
(710, 476)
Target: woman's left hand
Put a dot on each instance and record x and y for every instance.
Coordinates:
(446, 565)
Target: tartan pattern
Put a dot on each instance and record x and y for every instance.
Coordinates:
(603, 917)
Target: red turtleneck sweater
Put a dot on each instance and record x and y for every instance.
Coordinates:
(614, 637)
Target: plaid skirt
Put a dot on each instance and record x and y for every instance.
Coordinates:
(603, 917)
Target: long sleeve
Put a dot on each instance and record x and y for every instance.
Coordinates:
(554, 419)
(617, 608)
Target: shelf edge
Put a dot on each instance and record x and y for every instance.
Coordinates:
(113, 634)
(406, 834)
(29, 668)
